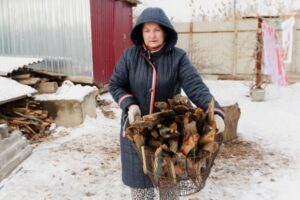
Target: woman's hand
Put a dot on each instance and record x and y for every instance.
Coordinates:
(134, 113)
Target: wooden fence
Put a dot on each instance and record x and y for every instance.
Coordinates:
(228, 48)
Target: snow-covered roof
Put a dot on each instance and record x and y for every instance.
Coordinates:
(9, 64)
(11, 90)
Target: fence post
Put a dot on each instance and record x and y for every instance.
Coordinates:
(258, 80)
(235, 41)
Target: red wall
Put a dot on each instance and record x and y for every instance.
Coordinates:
(123, 26)
(111, 23)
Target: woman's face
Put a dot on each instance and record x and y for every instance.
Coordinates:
(153, 35)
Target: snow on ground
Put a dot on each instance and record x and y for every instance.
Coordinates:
(84, 162)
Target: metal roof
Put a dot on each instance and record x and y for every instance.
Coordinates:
(9, 64)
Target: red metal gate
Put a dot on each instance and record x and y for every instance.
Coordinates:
(123, 26)
(111, 23)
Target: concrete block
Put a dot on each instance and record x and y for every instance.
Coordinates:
(6, 169)
(47, 87)
(70, 113)
(258, 94)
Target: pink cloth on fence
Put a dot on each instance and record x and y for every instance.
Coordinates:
(273, 56)
(283, 80)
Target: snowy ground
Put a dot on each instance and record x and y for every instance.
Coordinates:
(84, 162)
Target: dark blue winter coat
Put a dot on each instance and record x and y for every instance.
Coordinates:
(132, 80)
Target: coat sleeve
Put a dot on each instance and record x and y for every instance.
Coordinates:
(194, 87)
(119, 86)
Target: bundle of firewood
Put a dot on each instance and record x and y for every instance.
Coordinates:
(28, 116)
(176, 144)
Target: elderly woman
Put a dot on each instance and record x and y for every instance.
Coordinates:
(153, 69)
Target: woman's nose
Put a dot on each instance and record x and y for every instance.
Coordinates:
(152, 34)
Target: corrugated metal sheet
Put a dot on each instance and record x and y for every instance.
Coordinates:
(57, 30)
(9, 64)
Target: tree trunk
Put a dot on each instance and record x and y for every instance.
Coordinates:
(232, 115)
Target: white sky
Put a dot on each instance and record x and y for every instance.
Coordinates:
(185, 10)
(84, 162)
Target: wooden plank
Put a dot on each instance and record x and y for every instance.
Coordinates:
(81, 79)
(30, 81)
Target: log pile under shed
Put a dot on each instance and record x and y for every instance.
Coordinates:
(177, 145)
(27, 116)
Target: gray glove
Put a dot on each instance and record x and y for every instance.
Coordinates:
(220, 124)
(134, 113)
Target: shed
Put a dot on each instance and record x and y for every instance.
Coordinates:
(74, 37)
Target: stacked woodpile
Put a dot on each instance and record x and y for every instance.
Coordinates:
(43, 82)
(29, 117)
(48, 82)
(177, 145)
(105, 106)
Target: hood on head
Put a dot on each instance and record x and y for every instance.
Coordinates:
(156, 15)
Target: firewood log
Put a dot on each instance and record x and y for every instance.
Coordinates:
(144, 124)
(139, 140)
(199, 114)
(159, 115)
(181, 165)
(154, 143)
(162, 106)
(190, 128)
(144, 160)
(171, 170)
(165, 148)
(183, 100)
(130, 132)
(164, 131)
(157, 164)
(172, 103)
(189, 143)
(154, 134)
(173, 143)
(181, 109)
(211, 147)
(208, 137)
(20, 110)
(211, 113)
